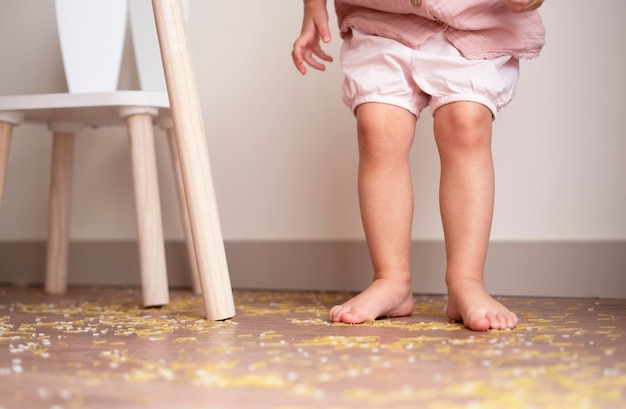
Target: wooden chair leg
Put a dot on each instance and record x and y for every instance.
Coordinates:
(8, 119)
(191, 252)
(148, 208)
(6, 128)
(194, 158)
(59, 212)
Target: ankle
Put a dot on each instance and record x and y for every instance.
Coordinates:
(403, 280)
(463, 281)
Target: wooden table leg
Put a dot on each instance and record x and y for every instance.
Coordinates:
(194, 158)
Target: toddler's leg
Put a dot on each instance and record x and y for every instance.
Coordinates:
(386, 198)
(463, 135)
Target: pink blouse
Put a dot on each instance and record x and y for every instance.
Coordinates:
(479, 29)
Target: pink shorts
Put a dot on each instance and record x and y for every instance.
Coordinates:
(381, 70)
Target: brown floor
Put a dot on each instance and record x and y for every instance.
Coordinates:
(99, 349)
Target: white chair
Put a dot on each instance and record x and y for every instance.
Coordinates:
(92, 32)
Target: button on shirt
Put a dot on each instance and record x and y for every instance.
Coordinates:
(479, 29)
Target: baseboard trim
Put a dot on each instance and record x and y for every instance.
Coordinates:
(562, 269)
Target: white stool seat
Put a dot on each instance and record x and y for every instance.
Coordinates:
(89, 109)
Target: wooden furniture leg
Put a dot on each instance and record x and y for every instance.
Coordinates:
(59, 210)
(8, 119)
(148, 206)
(6, 128)
(194, 158)
(182, 199)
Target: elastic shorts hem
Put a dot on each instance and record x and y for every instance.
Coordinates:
(384, 99)
(436, 103)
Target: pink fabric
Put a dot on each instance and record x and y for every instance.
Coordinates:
(479, 29)
(434, 74)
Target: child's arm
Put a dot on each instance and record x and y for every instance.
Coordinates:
(520, 6)
(314, 27)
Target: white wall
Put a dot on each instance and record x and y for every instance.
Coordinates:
(283, 148)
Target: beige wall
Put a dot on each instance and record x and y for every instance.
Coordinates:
(283, 149)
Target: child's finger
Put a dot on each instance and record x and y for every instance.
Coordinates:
(321, 54)
(297, 55)
(324, 33)
(309, 59)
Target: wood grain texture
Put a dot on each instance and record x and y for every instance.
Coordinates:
(148, 210)
(59, 210)
(194, 158)
(182, 199)
(6, 130)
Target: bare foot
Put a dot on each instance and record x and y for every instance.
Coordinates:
(383, 298)
(469, 302)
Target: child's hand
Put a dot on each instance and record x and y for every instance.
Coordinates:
(520, 6)
(314, 27)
